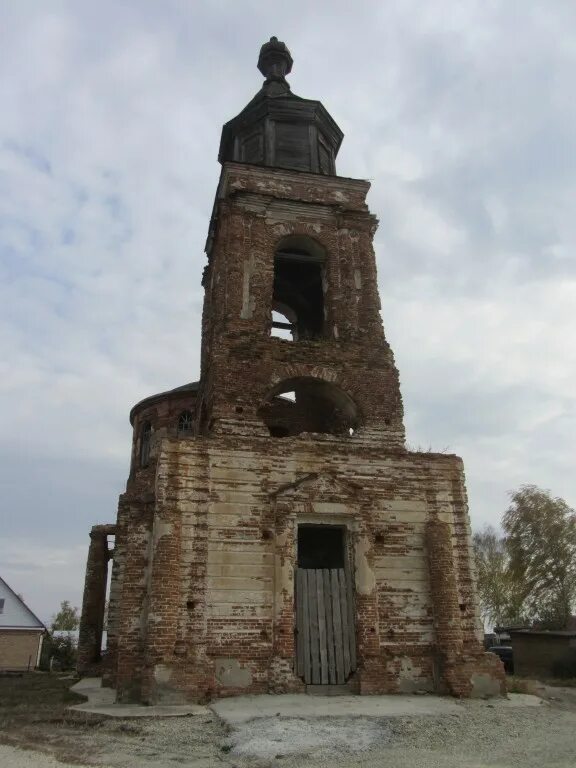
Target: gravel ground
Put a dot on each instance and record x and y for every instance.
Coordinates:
(481, 735)
(12, 757)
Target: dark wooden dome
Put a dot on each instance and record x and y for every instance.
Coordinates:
(278, 128)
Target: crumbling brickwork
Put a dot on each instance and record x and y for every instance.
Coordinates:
(228, 625)
(281, 434)
(257, 210)
(94, 600)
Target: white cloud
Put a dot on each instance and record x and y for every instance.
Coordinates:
(415, 220)
(397, 161)
(42, 574)
(461, 114)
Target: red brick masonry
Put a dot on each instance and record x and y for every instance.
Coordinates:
(202, 596)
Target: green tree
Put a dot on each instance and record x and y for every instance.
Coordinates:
(540, 539)
(500, 602)
(67, 619)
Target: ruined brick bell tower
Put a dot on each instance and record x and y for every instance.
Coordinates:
(275, 533)
(292, 240)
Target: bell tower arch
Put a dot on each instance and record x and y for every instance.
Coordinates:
(299, 286)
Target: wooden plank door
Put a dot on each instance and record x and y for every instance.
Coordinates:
(325, 632)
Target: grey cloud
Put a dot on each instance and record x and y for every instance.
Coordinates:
(460, 113)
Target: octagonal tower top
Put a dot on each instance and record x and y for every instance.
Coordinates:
(278, 128)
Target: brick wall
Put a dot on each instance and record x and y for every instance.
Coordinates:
(220, 557)
(19, 648)
(256, 209)
(203, 576)
(94, 599)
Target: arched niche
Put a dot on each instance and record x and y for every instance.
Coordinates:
(185, 426)
(307, 404)
(145, 441)
(298, 293)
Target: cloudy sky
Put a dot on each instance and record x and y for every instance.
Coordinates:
(461, 114)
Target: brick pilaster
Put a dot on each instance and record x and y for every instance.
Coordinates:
(94, 600)
(444, 591)
(135, 531)
(164, 605)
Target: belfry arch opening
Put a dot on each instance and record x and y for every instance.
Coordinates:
(298, 294)
(306, 404)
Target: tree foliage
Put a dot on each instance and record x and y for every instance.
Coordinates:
(528, 575)
(67, 619)
(499, 600)
(540, 536)
(59, 651)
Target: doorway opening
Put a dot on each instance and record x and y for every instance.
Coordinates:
(320, 546)
(325, 628)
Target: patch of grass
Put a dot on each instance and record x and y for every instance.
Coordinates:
(516, 684)
(35, 696)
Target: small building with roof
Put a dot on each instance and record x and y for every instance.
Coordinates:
(21, 632)
(544, 653)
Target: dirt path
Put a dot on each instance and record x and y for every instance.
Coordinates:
(478, 735)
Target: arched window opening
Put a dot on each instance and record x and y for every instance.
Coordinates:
(298, 288)
(306, 404)
(145, 439)
(185, 423)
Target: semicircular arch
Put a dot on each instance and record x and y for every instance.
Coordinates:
(303, 244)
(308, 404)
